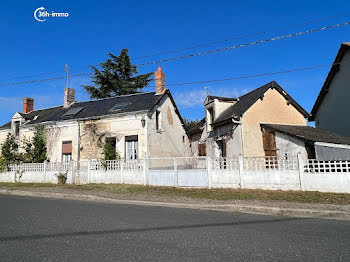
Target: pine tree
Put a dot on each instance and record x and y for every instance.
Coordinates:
(116, 77)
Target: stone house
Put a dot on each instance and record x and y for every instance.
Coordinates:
(136, 125)
(231, 126)
(332, 106)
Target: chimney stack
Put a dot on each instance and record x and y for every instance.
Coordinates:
(28, 105)
(159, 78)
(69, 97)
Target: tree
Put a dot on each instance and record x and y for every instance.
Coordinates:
(109, 152)
(9, 151)
(35, 150)
(190, 123)
(116, 77)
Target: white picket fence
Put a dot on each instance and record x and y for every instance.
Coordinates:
(271, 173)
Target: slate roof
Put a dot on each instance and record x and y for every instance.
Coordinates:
(95, 108)
(309, 134)
(246, 101)
(344, 47)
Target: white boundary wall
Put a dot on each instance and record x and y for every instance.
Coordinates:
(267, 173)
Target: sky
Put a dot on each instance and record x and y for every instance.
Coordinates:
(95, 28)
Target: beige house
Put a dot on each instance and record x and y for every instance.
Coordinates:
(231, 126)
(331, 109)
(137, 125)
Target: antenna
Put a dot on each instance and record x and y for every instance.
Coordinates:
(66, 69)
(207, 89)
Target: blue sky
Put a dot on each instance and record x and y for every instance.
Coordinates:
(95, 28)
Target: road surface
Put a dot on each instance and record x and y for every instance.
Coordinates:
(35, 229)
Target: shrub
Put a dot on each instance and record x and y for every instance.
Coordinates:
(62, 178)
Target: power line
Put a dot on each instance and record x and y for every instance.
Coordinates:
(252, 76)
(34, 75)
(246, 44)
(203, 45)
(200, 53)
(204, 81)
(41, 80)
(243, 36)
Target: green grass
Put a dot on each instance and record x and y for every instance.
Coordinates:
(210, 194)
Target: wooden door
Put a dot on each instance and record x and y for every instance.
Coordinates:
(269, 142)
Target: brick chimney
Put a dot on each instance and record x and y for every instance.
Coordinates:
(28, 105)
(159, 78)
(69, 97)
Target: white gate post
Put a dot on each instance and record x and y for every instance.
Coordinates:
(45, 162)
(175, 173)
(301, 170)
(241, 171)
(88, 171)
(121, 171)
(209, 171)
(73, 172)
(145, 170)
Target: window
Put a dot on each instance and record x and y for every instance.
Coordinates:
(183, 139)
(118, 107)
(222, 148)
(72, 112)
(211, 115)
(66, 151)
(131, 147)
(112, 141)
(66, 158)
(16, 130)
(158, 119)
(202, 150)
(209, 118)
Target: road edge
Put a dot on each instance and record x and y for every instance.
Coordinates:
(242, 208)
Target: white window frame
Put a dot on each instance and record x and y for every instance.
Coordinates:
(131, 148)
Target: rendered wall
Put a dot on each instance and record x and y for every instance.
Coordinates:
(289, 146)
(332, 114)
(168, 141)
(273, 108)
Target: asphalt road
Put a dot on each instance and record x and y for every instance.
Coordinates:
(33, 229)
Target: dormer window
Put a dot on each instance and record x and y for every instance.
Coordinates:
(158, 120)
(211, 115)
(210, 118)
(16, 128)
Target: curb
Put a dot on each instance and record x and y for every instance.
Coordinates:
(266, 210)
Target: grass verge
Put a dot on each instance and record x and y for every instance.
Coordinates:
(210, 194)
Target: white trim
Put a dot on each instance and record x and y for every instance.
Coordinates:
(332, 145)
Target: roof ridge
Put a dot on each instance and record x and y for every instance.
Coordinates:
(269, 84)
(80, 102)
(41, 109)
(99, 99)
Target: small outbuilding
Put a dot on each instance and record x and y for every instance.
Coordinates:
(312, 143)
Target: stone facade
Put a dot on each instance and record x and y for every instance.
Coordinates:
(171, 140)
